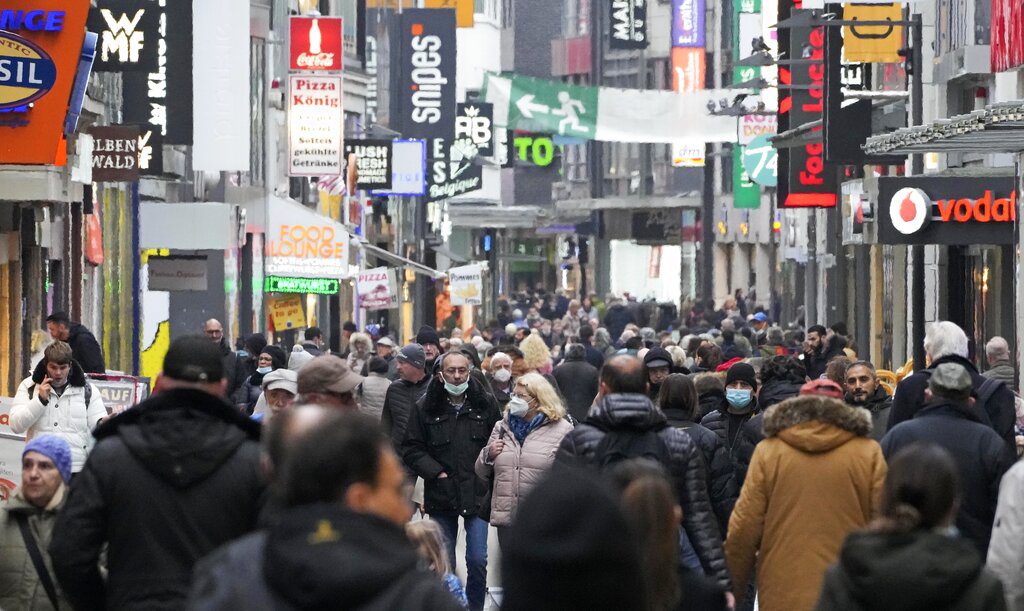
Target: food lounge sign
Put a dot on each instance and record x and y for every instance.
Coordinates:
(947, 210)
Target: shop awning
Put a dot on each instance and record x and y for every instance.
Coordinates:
(998, 128)
(387, 255)
(497, 217)
(634, 202)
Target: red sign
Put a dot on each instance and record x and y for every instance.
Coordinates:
(688, 69)
(1007, 49)
(315, 44)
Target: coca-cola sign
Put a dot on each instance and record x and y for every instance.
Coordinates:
(315, 44)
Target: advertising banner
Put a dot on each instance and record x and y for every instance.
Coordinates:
(115, 153)
(315, 44)
(688, 74)
(872, 43)
(452, 171)
(377, 289)
(11, 447)
(628, 24)
(423, 59)
(316, 121)
(688, 23)
(409, 169)
(373, 163)
(303, 244)
(120, 392)
(466, 285)
(946, 210)
(475, 122)
(1007, 50)
(311, 286)
(128, 31)
(285, 312)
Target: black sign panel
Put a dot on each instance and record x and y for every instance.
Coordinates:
(475, 122)
(628, 24)
(451, 169)
(115, 153)
(128, 35)
(151, 151)
(946, 210)
(163, 97)
(373, 162)
(424, 55)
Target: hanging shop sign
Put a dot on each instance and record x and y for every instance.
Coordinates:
(746, 193)
(946, 210)
(377, 289)
(628, 24)
(877, 44)
(761, 161)
(464, 10)
(115, 153)
(315, 123)
(688, 23)
(177, 274)
(424, 61)
(40, 52)
(151, 151)
(308, 286)
(475, 122)
(163, 97)
(302, 244)
(534, 149)
(286, 312)
(373, 163)
(409, 170)
(315, 44)
(128, 31)
(752, 126)
(452, 169)
(466, 285)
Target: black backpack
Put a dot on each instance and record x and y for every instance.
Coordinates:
(619, 445)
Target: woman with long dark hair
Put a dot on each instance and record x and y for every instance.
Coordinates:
(911, 557)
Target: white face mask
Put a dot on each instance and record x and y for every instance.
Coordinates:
(518, 407)
(503, 375)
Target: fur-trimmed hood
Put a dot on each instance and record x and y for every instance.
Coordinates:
(75, 378)
(816, 424)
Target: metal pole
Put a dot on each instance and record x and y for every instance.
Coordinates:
(136, 335)
(917, 168)
(707, 226)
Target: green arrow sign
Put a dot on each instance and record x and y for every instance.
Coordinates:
(552, 107)
(761, 161)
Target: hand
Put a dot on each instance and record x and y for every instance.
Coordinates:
(495, 449)
(44, 389)
(730, 600)
(443, 475)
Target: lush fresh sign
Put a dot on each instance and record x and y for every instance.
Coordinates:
(318, 286)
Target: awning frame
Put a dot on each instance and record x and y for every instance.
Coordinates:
(419, 268)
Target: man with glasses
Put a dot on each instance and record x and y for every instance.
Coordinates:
(446, 432)
(235, 371)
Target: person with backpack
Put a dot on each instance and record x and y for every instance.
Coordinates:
(58, 399)
(945, 342)
(625, 424)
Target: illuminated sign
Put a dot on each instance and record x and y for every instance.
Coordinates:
(538, 150)
(425, 61)
(315, 122)
(315, 286)
(27, 72)
(302, 244)
(128, 31)
(33, 21)
(315, 44)
(947, 210)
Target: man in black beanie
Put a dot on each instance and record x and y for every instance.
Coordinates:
(169, 480)
(737, 422)
(428, 338)
(588, 562)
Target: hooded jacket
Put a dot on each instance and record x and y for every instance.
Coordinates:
(981, 459)
(616, 319)
(85, 349)
(777, 391)
(578, 382)
(879, 404)
(721, 479)
(815, 478)
(66, 416)
(917, 571)
(319, 557)
(635, 412)
(1000, 409)
(1006, 547)
(711, 401)
(20, 586)
(168, 482)
(440, 440)
(737, 433)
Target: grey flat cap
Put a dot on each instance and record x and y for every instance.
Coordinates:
(951, 377)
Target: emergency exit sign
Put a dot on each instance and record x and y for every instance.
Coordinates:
(315, 286)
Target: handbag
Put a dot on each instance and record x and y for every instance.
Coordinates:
(37, 559)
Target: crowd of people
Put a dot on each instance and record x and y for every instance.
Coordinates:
(627, 458)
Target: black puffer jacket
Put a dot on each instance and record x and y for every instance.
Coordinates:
(440, 440)
(722, 486)
(739, 444)
(169, 481)
(635, 412)
(711, 401)
(578, 382)
(777, 391)
(85, 349)
(399, 400)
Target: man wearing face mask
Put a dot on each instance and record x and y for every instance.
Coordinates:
(500, 377)
(730, 421)
(446, 431)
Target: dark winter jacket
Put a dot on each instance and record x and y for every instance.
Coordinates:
(634, 412)
(319, 557)
(739, 438)
(879, 404)
(440, 440)
(593, 356)
(578, 382)
(85, 349)
(236, 368)
(815, 363)
(711, 401)
(777, 391)
(399, 400)
(999, 410)
(501, 396)
(168, 482)
(616, 319)
(722, 486)
(982, 460)
(919, 571)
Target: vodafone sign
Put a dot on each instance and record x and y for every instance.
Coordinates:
(947, 210)
(315, 44)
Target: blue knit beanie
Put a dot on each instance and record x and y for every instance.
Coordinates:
(56, 449)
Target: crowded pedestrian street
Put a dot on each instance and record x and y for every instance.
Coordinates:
(511, 305)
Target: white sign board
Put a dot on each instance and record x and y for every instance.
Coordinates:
(408, 168)
(466, 285)
(377, 289)
(752, 126)
(11, 447)
(177, 274)
(303, 244)
(316, 122)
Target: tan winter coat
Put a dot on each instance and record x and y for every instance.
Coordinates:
(815, 478)
(518, 468)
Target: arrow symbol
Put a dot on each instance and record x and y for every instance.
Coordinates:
(527, 107)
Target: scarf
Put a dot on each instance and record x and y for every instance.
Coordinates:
(521, 428)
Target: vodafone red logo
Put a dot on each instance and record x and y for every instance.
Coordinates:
(910, 210)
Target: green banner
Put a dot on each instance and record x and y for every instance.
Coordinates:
(552, 107)
(745, 192)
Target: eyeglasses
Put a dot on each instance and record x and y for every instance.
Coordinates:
(524, 396)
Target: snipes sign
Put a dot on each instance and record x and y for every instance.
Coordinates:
(946, 210)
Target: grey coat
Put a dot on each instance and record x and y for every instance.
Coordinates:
(1002, 371)
(20, 587)
(372, 392)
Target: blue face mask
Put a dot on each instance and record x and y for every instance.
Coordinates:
(264, 370)
(738, 398)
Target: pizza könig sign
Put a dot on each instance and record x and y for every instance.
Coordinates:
(947, 210)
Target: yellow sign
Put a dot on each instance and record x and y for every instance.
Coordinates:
(286, 312)
(463, 10)
(873, 44)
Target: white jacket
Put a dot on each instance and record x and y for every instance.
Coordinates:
(66, 416)
(1006, 547)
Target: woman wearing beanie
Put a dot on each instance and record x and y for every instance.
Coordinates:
(911, 557)
(522, 447)
(730, 420)
(270, 358)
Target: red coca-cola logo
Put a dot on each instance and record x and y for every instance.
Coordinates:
(315, 44)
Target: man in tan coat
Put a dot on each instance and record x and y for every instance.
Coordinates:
(817, 476)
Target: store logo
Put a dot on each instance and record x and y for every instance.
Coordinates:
(910, 210)
(34, 21)
(427, 80)
(27, 72)
(315, 56)
(122, 37)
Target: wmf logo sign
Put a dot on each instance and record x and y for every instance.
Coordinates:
(128, 31)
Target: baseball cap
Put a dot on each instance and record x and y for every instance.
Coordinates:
(386, 341)
(761, 317)
(327, 373)
(284, 379)
(194, 358)
(414, 355)
(823, 388)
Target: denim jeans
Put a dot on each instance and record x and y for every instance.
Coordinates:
(476, 553)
